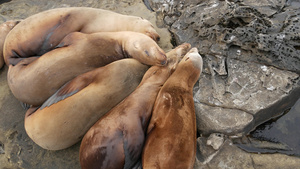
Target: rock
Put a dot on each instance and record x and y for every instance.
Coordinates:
(278, 135)
(230, 156)
(215, 140)
(204, 153)
(269, 31)
(212, 119)
(242, 43)
(244, 98)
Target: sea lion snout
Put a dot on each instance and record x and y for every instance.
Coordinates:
(195, 58)
(161, 56)
(153, 34)
(149, 29)
(145, 50)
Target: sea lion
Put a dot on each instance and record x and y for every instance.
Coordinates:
(35, 79)
(171, 134)
(42, 32)
(116, 140)
(66, 116)
(4, 30)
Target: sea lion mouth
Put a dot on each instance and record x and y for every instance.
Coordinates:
(161, 56)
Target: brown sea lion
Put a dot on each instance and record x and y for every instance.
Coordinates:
(67, 115)
(35, 79)
(42, 32)
(4, 30)
(116, 140)
(171, 135)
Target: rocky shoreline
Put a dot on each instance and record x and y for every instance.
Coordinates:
(251, 74)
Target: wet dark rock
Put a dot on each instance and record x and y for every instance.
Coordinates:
(277, 135)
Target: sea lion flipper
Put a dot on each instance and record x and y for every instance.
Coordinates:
(69, 89)
(132, 148)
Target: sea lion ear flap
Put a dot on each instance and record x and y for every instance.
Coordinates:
(69, 89)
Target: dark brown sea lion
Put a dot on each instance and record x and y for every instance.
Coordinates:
(116, 140)
(4, 30)
(171, 135)
(67, 115)
(35, 79)
(43, 32)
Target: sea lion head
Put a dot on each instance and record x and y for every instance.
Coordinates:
(191, 66)
(144, 26)
(194, 58)
(173, 57)
(145, 50)
(176, 54)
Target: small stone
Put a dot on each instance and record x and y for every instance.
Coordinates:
(215, 140)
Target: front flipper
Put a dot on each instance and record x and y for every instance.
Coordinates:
(70, 88)
(133, 146)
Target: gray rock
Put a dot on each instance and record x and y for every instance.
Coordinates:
(212, 119)
(267, 29)
(229, 156)
(236, 103)
(215, 140)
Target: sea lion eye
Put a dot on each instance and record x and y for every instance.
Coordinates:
(147, 53)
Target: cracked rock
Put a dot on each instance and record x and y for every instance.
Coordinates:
(231, 156)
(251, 56)
(244, 99)
(212, 119)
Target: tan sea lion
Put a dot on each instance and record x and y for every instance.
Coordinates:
(35, 79)
(4, 30)
(116, 140)
(42, 32)
(171, 135)
(67, 115)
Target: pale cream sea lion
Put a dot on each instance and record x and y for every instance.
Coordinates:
(34, 79)
(171, 135)
(116, 140)
(67, 115)
(43, 31)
